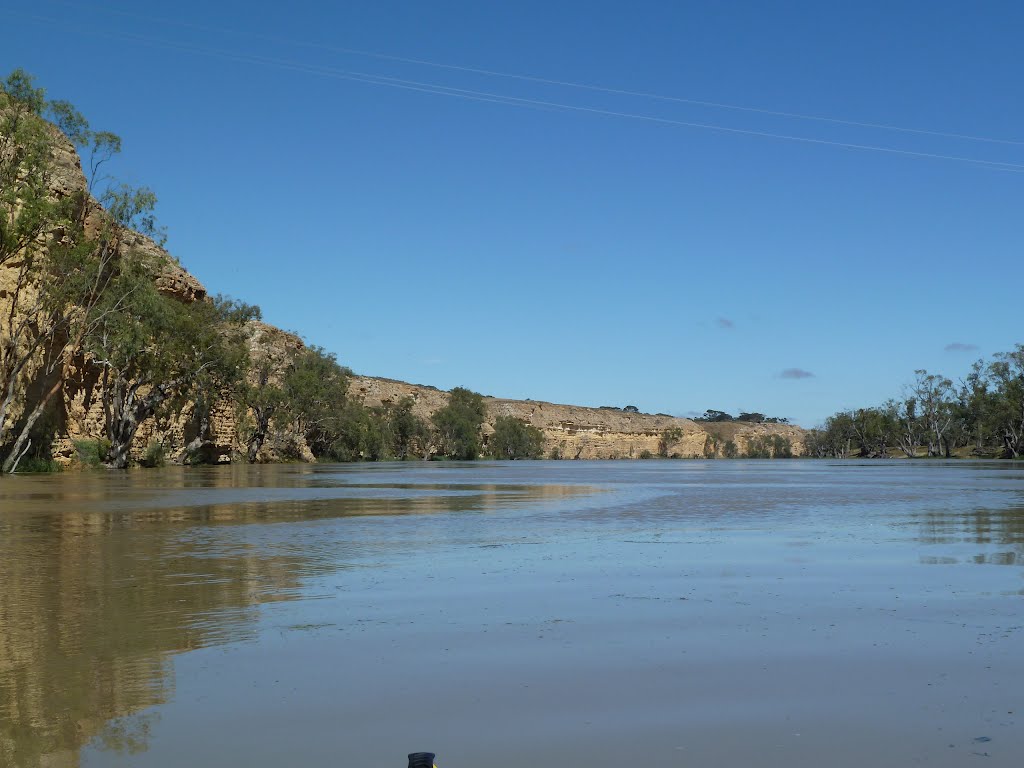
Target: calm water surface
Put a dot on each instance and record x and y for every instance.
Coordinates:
(544, 614)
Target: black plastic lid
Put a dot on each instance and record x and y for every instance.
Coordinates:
(421, 760)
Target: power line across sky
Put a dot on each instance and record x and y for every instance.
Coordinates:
(473, 94)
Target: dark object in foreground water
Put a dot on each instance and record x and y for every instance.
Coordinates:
(421, 760)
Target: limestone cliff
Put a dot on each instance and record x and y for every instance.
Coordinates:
(218, 431)
(576, 432)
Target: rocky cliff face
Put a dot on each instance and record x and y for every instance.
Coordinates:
(79, 412)
(575, 432)
(571, 432)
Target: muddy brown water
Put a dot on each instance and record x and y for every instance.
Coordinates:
(673, 613)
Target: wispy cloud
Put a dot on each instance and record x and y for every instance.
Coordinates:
(959, 346)
(796, 373)
(725, 323)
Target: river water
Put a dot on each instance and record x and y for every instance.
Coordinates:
(661, 613)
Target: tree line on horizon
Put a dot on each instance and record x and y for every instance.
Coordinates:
(982, 415)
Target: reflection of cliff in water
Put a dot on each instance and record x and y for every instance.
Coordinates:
(103, 578)
(89, 614)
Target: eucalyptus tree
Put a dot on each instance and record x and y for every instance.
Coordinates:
(934, 396)
(874, 429)
(408, 434)
(154, 350)
(910, 427)
(315, 395)
(264, 398)
(457, 424)
(53, 274)
(839, 435)
(515, 439)
(978, 406)
(1006, 374)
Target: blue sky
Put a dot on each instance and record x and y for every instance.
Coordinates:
(562, 253)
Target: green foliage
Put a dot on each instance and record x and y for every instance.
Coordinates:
(260, 399)
(316, 396)
(20, 89)
(356, 435)
(768, 447)
(103, 146)
(379, 434)
(313, 401)
(515, 439)
(407, 434)
(712, 415)
(555, 454)
(984, 416)
(457, 425)
(669, 437)
(645, 454)
(158, 352)
(26, 143)
(729, 450)
(90, 453)
(133, 208)
(1006, 412)
(37, 466)
(758, 448)
(155, 455)
(782, 447)
(70, 121)
(63, 284)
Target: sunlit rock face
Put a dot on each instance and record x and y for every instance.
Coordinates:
(575, 432)
(79, 415)
(570, 432)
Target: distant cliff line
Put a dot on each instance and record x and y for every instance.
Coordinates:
(580, 432)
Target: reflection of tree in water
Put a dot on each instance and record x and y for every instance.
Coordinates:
(1000, 534)
(102, 582)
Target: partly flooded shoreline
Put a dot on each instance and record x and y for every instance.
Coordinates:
(600, 613)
